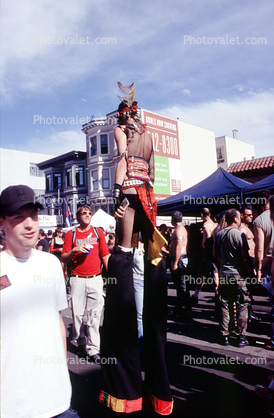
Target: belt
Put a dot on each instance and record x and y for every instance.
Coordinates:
(127, 183)
(181, 256)
(87, 277)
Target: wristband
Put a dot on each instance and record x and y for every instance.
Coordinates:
(116, 190)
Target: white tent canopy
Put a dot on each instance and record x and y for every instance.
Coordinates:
(102, 219)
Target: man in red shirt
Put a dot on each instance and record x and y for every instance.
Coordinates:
(85, 251)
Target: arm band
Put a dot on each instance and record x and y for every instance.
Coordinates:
(116, 190)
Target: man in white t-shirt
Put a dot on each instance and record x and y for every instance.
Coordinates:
(34, 374)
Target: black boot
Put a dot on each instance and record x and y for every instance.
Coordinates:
(252, 317)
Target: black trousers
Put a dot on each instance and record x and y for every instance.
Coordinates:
(180, 278)
(121, 379)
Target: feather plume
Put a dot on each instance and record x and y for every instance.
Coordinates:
(129, 93)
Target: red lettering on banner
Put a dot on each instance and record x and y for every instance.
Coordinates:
(164, 134)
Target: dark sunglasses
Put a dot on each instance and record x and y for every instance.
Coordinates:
(86, 213)
(126, 113)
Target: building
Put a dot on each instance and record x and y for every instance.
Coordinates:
(184, 155)
(254, 169)
(230, 150)
(20, 167)
(66, 184)
(100, 151)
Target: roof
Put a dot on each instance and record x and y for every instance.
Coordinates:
(60, 159)
(252, 165)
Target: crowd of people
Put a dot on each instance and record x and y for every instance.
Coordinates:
(236, 252)
(136, 255)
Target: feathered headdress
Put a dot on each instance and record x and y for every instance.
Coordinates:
(135, 121)
(129, 93)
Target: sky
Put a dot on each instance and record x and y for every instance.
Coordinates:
(207, 63)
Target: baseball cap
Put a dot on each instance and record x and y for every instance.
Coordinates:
(14, 197)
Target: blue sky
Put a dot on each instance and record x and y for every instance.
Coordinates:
(207, 63)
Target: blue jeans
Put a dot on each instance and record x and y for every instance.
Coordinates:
(69, 413)
(138, 283)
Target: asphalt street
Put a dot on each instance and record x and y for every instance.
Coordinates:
(207, 379)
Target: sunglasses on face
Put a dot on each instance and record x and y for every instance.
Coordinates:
(86, 213)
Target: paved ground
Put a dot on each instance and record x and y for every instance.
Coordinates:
(207, 379)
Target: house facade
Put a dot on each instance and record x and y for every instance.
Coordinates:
(66, 184)
(100, 151)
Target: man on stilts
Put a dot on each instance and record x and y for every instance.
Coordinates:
(121, 379)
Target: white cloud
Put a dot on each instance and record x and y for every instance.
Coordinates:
(151, 52)
(187, 92)
(238, 87)
(251, 114)
(26, 24)
(41, 47)
(57, 143)
(38, 56)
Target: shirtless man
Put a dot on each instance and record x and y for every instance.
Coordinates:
(179, 262)
(135, 169)
(246, 219)
(207, 257)
(208, 226)
(121, 388)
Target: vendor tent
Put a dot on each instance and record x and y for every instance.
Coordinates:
(266, 183)
(219, 191)
(102, 219)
